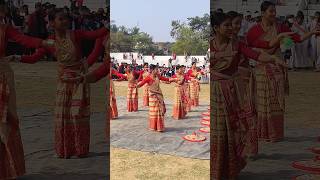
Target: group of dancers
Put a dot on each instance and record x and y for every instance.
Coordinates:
(247, 102)
(186, 92)
(72, 105)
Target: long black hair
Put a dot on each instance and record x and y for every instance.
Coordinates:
(300, 14)
(265, 5)
(54, 12)
(217, 19)
(233, 14)
(153, 67)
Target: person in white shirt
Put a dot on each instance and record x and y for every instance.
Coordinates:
(245, 25)
(315, 41)
(300, 56)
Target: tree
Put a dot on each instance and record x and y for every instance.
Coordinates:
(176, 25)
(201, 24)
(120, 42)
(131, 40)
(191, 37)
(143, 43)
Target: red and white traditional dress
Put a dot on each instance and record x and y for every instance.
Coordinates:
(187, 99)
(245, 82)
(229, 128)
(179, 109)
(271, 83)
(144, 74)
(194, 87)
(132, 93)
(12, 164)
(72, 107)
(301, 57)
(113, 101)
(157, 108)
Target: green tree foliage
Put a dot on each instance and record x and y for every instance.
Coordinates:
(131, 40)
(191, 37)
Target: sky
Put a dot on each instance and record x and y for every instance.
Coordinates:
(154, 16)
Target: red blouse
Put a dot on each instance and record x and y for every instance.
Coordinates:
(102, 71)
(116, 73)
(190, 73)
(187, 77)
(242, 49)
(141, 75)
(76, 36)
(254, 34)
(13, 34)
(149, 79)
(135, 73)
(96, 52)
(27, 41)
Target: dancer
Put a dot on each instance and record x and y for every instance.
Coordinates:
(12, 163)
(157, 107)
(194, 84)
(113, 102)
(102, 71)
(186, 87)
(179, 110)
(229, 129)
(245, 83)
(300, 56)
(270, 78)
(144, 74)
(72, 107)
(97, 51)
(315, 41)
(132, 94)
(100, 43)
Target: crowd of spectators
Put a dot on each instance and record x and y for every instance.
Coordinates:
(36, 23)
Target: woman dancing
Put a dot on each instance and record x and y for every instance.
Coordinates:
(229, 129)
(157, 107)
(12, 163)
(72, 107)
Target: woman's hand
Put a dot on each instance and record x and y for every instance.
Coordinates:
(285, 35)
